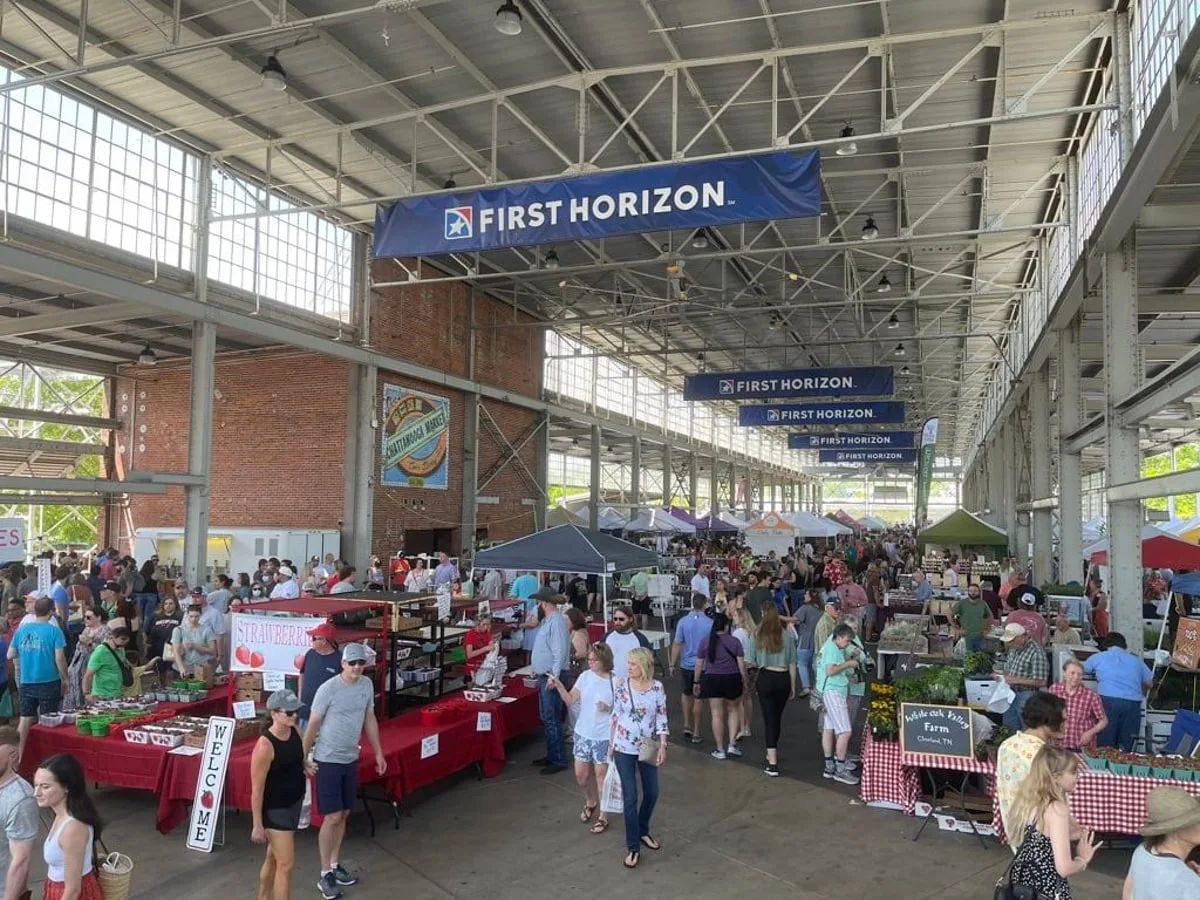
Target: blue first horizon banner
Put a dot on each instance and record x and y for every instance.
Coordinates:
(865, 381)
(867, 456)
(867, 441)
(887, 412)
(674, 196)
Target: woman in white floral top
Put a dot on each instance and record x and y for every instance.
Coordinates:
(639, 745)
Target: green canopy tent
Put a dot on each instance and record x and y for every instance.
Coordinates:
(962, 529)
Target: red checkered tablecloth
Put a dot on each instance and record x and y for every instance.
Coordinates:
(895, 777)
(1103, 801)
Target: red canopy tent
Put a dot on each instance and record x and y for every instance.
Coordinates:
(848, 520)
(1160, 549)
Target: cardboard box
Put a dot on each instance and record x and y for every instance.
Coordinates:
(247, 681)
(205, 674)
(239, 695)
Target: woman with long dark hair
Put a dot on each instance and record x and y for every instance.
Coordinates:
(720, 678)
(59, 785)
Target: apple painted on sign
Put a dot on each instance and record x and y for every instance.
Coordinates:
(206, 799)
(298, 662)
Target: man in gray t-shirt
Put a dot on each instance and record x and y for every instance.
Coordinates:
(343, 708)
(18, 817)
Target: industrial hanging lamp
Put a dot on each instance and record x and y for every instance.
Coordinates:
(551, 260)
(147, 357)
(850, 148)
(508, 18)
(894, 321)
(699, 241)
(884, 285)
(899, 351)
(870, 230)
(273, 76)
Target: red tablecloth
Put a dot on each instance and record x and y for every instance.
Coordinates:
(113, 760)
(460, 745)
(1117, 803)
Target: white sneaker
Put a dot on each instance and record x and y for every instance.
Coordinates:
(734, 750)
(744, 733)
(718, 754)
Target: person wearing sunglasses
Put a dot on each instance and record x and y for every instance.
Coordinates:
(623, 638)
(277, 771)
(342, 709)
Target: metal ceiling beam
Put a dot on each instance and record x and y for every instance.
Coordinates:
(1170, 386)
(1176, 483)
(88, 485)
(1169, 217)
(53, 500)
(59, 418)
(63, 361)
(1091, 433)
(18, 326)
(29, 445)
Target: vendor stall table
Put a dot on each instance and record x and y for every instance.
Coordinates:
(460, 745)
(113, 760)
(1101, 801)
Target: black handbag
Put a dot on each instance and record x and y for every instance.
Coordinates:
(1006, 890)
(126, 669)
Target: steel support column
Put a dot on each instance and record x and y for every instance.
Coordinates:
(200, 419)
(693, 484)
(542, 472)
(635, 477)
(1039, 407)
(1070, 485)
(1122, 375)
(714, 484)
(469, 518)
(358, 460)
(733, 488)
(594, 482)
(1008, 464)
(668, 476)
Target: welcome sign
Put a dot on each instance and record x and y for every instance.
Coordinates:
(885, 412)
(416, 439)
(866, 381)
(776, 185)
(210, 784)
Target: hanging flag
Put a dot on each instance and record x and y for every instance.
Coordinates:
(875, 439)
(929, 435)
(885, 412)
(673, 196)
(864, 381)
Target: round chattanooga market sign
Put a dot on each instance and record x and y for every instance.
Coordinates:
(416, 438)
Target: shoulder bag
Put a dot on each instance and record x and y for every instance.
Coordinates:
(1006, 890)
(126, 669)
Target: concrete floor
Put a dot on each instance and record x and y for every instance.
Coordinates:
(726, 829)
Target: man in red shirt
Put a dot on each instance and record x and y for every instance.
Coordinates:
(854, 599)
(1028, 617)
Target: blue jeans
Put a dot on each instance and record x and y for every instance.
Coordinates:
(1124, 721)
(804, 660)
(1012, 715)
(974, 644)
(637, 821)
(146, 604)
(550, 708)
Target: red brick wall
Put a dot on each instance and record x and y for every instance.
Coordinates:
(279, 421)
(265, 408)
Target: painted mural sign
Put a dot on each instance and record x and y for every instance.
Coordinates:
(416, 439)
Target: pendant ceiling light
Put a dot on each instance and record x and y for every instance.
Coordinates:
(508, 18)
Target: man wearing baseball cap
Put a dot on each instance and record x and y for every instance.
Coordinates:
(1026, 670)
(285, 585)
(551, 649)
(827, 622)
(342, 709)
(321, 662)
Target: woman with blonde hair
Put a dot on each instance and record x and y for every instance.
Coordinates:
(638, 746)
(590, 700)
(744, 628)
(1043, 827)
(774, 654)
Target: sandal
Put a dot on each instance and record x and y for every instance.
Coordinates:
(631, 859)
(588, 812)
(651, 842)
(599, 826)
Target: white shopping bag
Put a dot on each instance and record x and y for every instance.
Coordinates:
(612, 800)
(306, 806)
(1001, 697)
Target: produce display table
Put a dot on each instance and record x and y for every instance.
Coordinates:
(460, 745)
(113, 760)
(1103, 801)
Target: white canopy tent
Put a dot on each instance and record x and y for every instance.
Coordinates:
(771, 532)
(730, 519)
(659, 521)
(608, 519)
(810, 526)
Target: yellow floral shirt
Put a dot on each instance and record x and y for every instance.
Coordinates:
(1013, 762)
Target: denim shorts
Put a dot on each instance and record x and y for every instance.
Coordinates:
(40, 697)
(595, 752)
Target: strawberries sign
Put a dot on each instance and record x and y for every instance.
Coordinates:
(270, 643)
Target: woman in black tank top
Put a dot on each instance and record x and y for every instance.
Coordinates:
(277, 773)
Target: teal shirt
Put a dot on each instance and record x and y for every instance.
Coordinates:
(756, 656)
(831, 655)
